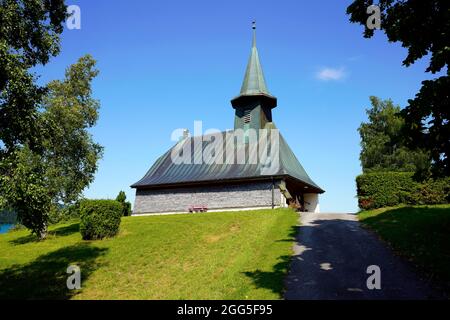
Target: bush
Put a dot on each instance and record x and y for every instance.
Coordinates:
(384, 189)
(126, 209)
(99, 218)
(126, 206)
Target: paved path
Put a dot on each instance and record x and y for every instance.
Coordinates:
(331, 257)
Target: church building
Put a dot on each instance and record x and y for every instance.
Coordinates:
(278, 180)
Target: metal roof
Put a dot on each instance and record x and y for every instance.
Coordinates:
(254, 81)
(165, 172)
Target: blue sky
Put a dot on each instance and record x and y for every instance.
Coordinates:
(165, 64)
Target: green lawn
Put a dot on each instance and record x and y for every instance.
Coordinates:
(230, 255)
(421, 234)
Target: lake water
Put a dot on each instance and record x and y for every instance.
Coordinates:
(4, 228)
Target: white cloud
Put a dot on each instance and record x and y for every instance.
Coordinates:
(331, 74)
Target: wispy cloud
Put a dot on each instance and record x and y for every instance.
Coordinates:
(331, 74)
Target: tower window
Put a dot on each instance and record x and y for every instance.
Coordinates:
(247, 116)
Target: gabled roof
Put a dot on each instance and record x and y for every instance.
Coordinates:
(166, 173)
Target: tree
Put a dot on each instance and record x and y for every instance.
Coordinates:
(29, 35)
(35, 182)
(423, 28)
(121, 197)
(383, 145)
(69, 111)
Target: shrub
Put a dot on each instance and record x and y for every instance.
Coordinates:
(126, 209)
(383, 189)
(99, 218)
(126, 206)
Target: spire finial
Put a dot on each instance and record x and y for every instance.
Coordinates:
(254, 33)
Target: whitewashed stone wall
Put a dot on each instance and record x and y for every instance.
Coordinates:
(257, 194)
(312, 202)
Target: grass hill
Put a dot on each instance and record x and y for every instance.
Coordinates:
(229, 255)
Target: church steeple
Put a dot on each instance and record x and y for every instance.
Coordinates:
(254, 101)
(254, 82)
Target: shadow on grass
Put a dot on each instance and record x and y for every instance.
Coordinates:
(59, 232)
(416, 218)
(291, 236)
(66, 230)
(272, 280)
(45, 277)
(422, 235)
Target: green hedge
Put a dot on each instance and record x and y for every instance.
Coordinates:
(126, 209)
(383, 189)
(99, 218)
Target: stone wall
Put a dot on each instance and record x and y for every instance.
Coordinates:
(312, 202)
(227, 196)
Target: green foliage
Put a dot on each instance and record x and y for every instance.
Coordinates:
(70, 153)
(8, 217)
(428, 121)
(29, 35)
(34, 183)
(432, 192)
(99, 218)
(64, 213)
(383, 146)
(47, 156)
(26, 190)
(428, 114)
(384, 189)
(126, 209)
(121, 197)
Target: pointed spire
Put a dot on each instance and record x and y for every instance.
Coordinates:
(254, 85)
(254, 82)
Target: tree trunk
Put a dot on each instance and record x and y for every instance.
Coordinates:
(43, 233)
